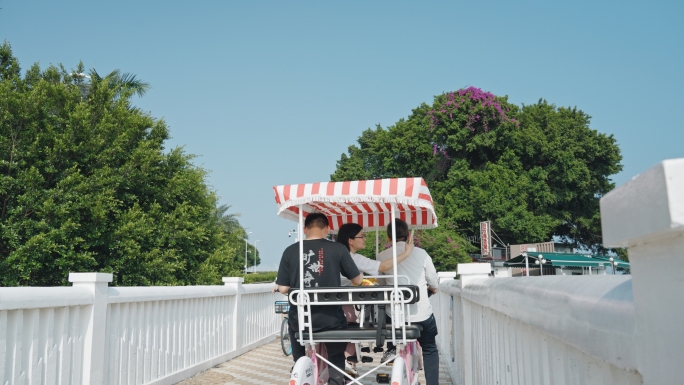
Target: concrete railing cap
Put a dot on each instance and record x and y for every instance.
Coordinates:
(90, 277)
(649, 205)
(474, 268)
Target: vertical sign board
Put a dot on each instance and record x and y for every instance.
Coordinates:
(485, 239)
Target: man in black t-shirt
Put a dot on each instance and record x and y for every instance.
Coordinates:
(324, 261)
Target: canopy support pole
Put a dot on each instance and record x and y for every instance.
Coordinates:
(395, 314)
(301, 248)
(394, 244)
(302, 321)
(377, 236)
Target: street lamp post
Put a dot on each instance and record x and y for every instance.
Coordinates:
(246, 243)
(296, 233)
(255, 254)
(613, 263)
(540, 261)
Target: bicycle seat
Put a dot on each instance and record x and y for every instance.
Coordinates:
(362, 334)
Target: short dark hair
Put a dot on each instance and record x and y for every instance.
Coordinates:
(348, 231)
(316, 220)
(402, 230)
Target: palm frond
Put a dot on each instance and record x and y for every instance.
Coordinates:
(229, 222)
(128, 81)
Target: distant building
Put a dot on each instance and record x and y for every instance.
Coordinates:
(561, 259)
(562, 264)
(543, 247)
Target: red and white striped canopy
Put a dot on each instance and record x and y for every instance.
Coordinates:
(366, 202)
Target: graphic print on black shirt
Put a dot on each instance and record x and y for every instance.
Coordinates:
(315, 269)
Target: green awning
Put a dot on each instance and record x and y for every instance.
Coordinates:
(564, 260)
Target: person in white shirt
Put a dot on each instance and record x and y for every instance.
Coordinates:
(351, 235)
(420, 270)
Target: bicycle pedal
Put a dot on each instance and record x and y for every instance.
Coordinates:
(366, 359)
(382, 378)
(378, 349)
(365, 349)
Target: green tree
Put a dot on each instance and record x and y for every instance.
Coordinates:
(86, 185)
(535, 172)
(237, 235)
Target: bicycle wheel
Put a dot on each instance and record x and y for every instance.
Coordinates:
(285, 342)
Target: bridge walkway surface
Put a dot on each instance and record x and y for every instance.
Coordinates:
(267, 365)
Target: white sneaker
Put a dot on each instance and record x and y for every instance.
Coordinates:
(388, 354)
(350, 369)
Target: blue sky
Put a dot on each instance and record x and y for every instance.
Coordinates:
(273, 92)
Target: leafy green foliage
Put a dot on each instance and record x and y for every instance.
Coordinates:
(622, 253)
(446, 247)
(86, 185)
(265, 277)
(535, 172)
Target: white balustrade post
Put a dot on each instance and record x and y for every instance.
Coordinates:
(468, 273)
(237, 318)
(444, 304)
(646, 215)
(94, 344)
(444, 276)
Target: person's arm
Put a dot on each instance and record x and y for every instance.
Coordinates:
(348, 267)
(431, 275)
(388, 264)
(282, 279)
(356, 281)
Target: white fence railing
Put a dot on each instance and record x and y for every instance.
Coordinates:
(94, 334)
(538, 330)
(579, 329)
(41, 334)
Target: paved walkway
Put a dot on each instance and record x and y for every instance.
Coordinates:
(267, 365)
